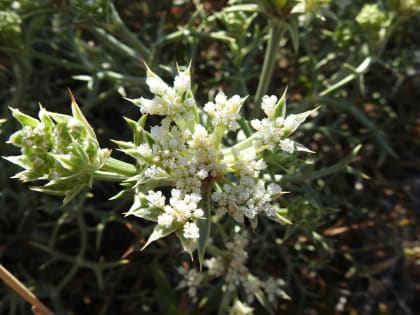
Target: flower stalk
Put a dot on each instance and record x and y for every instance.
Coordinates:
(275, 34)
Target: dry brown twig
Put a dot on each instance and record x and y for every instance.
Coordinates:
(37, 306)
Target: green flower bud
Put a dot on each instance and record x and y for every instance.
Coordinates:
(375, 25)
(371, 17)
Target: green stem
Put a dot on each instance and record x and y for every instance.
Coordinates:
(395, 22)
(215, 251)
(82, 249)
(218, 135)
(364, 120)
(205, 225)
(113, 43)
(246, 143)
(82, 262)
(61, 62)
(343, 165)
(126, 35)
(357, 72)
(275, 34)
(225, 302)
(108, 176)
(112, 165)
(118, 77)
(246, 128)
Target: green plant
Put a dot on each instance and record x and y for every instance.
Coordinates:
(209, 175)
(84, 257)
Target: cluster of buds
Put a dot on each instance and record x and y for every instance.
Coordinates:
(375, 23)
(60, 149)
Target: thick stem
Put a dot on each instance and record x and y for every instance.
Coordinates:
(275, 35)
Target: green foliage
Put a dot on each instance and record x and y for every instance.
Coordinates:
(345, 218)
(10, 29)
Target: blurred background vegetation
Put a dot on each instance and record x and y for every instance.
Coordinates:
(354, 245)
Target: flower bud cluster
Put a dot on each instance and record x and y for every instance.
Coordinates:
(371, 17)
(60, 149)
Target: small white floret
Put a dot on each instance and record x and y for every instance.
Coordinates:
(191, 230)
(287, 145)
(182, 82)
(165, 219)
(268, 104)
(156, 85)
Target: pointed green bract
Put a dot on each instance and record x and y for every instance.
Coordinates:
(77, 113)
(280, 109)
(297, 120)
(23, 119)
(188, 244)
(158, 233)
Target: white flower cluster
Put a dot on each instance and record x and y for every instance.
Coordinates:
(181, 210)
(236, 271)
(207, 159)
(215, 266)
(191, 280)
(223, 111)
(273, 287)
(191, 158)
(232, 267)
(273, 131)
(168, 101)
(247, 196)
(268, 105)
